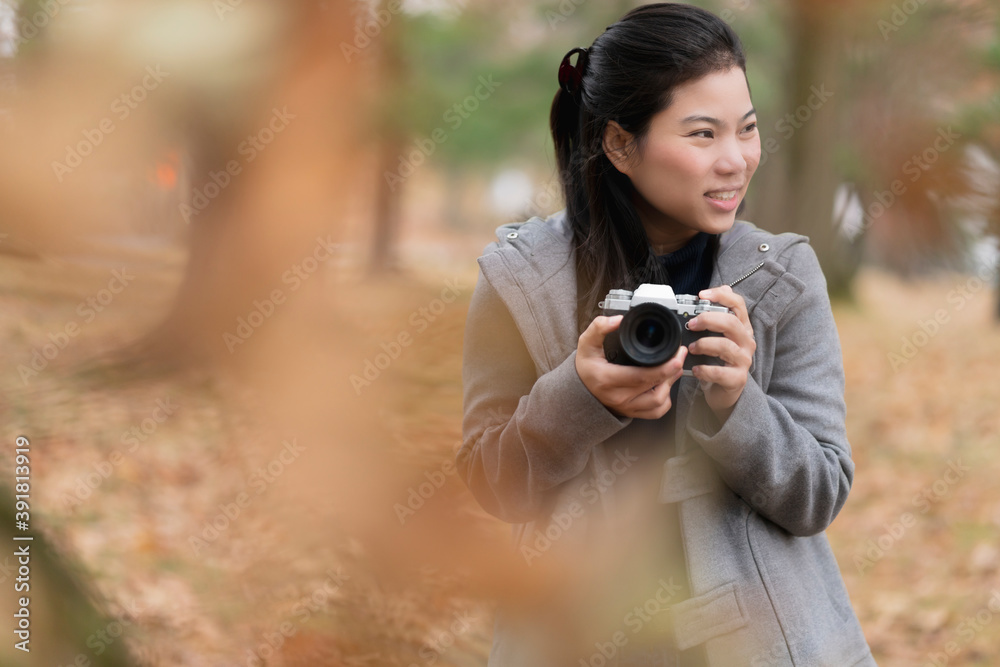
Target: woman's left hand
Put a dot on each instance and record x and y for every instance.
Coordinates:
(723, 385)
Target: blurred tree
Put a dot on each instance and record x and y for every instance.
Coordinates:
(288, 191)
(853, 98)
(390, 70)
(980, 117)
(814, 111)
(465, 91)
(921, 95)
(795, 67)
(237, 77)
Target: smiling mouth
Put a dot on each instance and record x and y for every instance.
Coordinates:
(727, 195)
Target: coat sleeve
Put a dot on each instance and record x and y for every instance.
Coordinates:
(522, 435)
(785, 452)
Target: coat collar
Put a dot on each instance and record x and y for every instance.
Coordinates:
(532, 269)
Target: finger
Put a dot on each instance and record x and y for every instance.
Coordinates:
(718, 322)
(725, 324)
(622, 386)
(681, 356)
(671, 370)
(650, 391)
(725, 296)
(592, 339)
(651, 405)
(726, 377)
(635, 380)
(653, 398)
(723, 348)
(661, 391)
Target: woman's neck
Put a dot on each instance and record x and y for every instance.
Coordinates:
(665, 234)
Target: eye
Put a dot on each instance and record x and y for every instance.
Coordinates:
(703, 134)
(751, 127)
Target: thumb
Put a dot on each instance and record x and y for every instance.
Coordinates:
(592, 340)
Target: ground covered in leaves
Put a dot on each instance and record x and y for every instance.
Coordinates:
(132, 477)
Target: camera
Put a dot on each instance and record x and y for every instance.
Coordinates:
(654, 326)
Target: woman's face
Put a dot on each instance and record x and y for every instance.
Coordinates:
(693, 169)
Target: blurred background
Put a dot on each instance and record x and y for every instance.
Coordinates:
(237, 243)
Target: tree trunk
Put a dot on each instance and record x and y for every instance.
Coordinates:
(388, 197)
(813, 119)
(271, 216)
(391, 70)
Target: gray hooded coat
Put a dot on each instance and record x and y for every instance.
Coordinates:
(754, 494)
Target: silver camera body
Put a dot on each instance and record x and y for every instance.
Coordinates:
(655, 326)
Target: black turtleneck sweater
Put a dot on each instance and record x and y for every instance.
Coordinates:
(690, 268)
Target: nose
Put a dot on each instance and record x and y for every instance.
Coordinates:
(733, 157)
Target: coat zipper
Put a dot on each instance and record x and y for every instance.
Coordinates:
(755, 270)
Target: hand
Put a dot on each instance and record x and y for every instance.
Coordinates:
(628, 391)
(723, 385)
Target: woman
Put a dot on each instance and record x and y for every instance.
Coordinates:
(718, 486)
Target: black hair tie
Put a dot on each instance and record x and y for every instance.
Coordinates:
(571, 76)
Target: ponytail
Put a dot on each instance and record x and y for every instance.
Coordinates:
(609, 256)
(565, 121)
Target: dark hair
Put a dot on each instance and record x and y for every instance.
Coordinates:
(627, 75)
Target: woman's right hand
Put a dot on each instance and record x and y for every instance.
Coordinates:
(628, 391)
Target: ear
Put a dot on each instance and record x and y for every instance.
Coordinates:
(618, 144)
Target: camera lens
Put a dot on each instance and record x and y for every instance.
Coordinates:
(650, 334)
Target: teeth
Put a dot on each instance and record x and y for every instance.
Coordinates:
(723, 196)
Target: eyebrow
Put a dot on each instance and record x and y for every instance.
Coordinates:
(715, 121)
